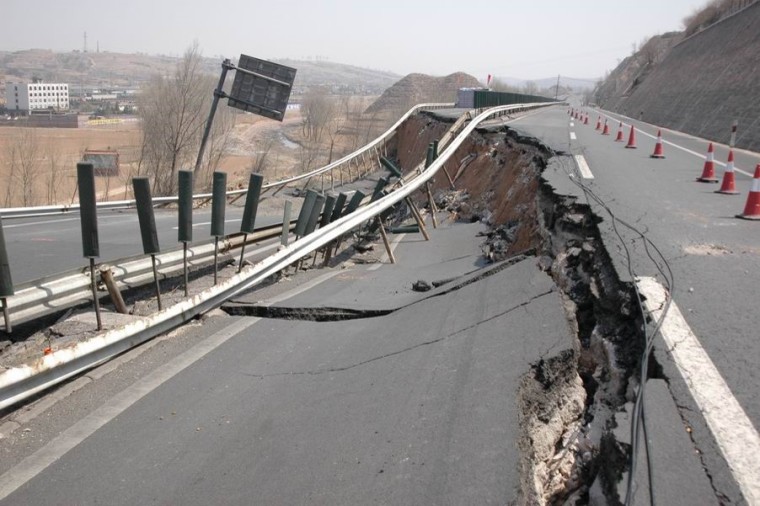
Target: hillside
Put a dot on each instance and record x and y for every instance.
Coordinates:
(697, 84)
(417, 88)
(110, 70)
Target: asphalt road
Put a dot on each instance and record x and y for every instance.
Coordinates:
(39, 247)
(713, 256)
(415, 407)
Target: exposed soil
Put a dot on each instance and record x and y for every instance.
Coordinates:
(568, 401)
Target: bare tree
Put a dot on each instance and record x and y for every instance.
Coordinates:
(173, 110)
(260, 159)
(55, 173)
(318, 112)
(530, 88)
(24, 161)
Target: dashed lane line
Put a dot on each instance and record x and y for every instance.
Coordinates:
(734, 432)
(572, 136)
(583, 167)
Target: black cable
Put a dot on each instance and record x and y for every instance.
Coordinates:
(637, 417)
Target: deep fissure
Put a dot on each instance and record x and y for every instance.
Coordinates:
(506, 190)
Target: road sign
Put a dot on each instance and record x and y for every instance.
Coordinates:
(261, 87)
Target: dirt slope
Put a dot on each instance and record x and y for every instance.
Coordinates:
(701, 84)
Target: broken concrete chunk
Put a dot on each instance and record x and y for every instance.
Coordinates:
(421, 286)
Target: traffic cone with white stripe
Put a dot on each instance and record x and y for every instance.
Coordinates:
(708, 172)
(752, 209)
(658, 147)
(585, 120)
(606, 130)
(598, 123)
(619, 137)
(728, 186)
(631, 139)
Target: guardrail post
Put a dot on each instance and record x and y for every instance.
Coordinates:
(218, 202)
(385, 240)
(113, 290)
(286, 223)
(89, 221)
(185, 217)
(147, 221)
(377, 192)
(305, 213)
(429, 159)
(418, 217)
(249, 213)
(353, 205)
(6, 282)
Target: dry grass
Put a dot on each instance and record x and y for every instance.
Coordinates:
(252, 137)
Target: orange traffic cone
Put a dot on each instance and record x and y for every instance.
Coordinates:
(708, 173)
(658, 147)
(585, 120)
(728, 186)
(606, 130)
(752, 209)
(598, 123)
(631, 139)
(619, 137)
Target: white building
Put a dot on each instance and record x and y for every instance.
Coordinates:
(27, 97)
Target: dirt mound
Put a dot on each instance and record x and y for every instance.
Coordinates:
(417, 88)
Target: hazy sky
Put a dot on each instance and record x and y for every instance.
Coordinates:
(511, 38)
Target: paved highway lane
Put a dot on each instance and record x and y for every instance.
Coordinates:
(416, 407)
(713, 255)
(42, 246)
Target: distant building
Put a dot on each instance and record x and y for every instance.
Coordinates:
(36, 96)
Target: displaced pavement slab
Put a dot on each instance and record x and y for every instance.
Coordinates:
(453, 251)
(417, 407)
(678, 475)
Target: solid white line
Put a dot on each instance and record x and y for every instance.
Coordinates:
(47, 222)
(686, 150)
(209, 223)
(302, 288)
(71, 437)
(572, 136)
(583, 167)
(733, 430)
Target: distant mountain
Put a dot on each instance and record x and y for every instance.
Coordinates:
(110, 70)
(575, 83)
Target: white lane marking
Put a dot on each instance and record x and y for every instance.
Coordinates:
(583, 167)
(572, 136)
(572, 124)
(685, 150)
(209, 223)
(47, 222)
(34, 464)
(384, 257)
(74, 435)
(737, 438)
(302, 288)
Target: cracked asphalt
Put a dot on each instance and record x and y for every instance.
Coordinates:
(414, 407)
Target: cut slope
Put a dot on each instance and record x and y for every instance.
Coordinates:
(703, 83)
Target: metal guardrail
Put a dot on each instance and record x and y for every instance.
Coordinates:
(29, 212)
(22, 382)
(55, 293)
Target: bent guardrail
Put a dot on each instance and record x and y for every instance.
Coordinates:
(55, 293)
(21, 382)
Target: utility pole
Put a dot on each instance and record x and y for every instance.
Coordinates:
(556, 90)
